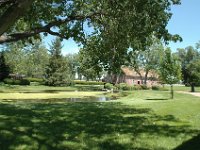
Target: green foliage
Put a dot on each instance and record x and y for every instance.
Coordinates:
(4, 68)
(29, 60)
(189, 58)
(123, 86)
(144, 87)
(159, 88)
(142, 18)
(81, 82)
(73, 64)
(137, 87)
(57, 72)
(16, 82)
(170, 68)
(90, 65)
(109, 86)
(194, 71)
(145, 60)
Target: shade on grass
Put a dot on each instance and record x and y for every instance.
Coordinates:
(143, 120)
(110, 125)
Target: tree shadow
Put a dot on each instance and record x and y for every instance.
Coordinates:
(192, 144)
(157, 99)
(80, 126)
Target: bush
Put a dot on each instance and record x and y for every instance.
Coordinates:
(8, 81)
(109, 86)
(16, 82)
(123, 86)
(144, 87)
(159, 88)
(24, 82)
(137, 87)
(155, 87)
(81, 82)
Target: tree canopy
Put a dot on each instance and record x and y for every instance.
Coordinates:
(133, 20)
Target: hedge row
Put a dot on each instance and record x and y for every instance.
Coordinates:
(81, 82)
(125, 87)
(16, 82)
(35, 80)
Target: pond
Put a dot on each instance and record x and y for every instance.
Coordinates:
(101, 98)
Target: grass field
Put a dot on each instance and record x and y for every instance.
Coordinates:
(143, 120)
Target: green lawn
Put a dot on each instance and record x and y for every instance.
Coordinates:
(183, 88)
(143, 120)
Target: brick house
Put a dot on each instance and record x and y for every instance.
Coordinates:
(131, 77)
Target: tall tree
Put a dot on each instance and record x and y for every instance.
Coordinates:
(57, 72)
(4, 68)
(170, 69)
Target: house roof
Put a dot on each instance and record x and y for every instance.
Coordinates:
(132, 73)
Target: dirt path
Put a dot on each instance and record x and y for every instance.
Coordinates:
(195, 93)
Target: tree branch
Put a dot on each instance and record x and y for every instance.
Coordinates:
(45, 29)
(13, 13)
(4, 3)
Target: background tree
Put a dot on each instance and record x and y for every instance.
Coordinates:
(194, 71)
(29, 60)
(73, 64)
(4, 68)
(188, 56)
(170, 69)
(147, 60)
(16, 58)
(57, 72)
(37, 58)
(90, 66)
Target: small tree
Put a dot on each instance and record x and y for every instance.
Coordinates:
(170, 69)
(57, 72)
(4, 68)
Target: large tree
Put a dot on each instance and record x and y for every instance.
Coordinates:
(134, 20)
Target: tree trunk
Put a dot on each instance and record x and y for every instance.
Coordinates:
(145, 77)
(192, 87)
(172, 92)
(117, 80)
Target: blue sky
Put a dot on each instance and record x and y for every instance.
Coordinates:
(185, 22)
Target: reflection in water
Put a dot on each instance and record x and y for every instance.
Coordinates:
(102, 98)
